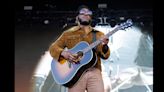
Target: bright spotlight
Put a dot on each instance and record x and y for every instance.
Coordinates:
(46, 21)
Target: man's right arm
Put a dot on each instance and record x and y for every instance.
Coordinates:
(57, 47)
(57, 50)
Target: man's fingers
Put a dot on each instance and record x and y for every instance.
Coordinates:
(72, 58)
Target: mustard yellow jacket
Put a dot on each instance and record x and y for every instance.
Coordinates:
(71, 37)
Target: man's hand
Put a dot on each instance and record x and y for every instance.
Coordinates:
(69, 56)
(104, 40)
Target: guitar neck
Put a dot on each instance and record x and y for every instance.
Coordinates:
(127, 24)
(94, 44)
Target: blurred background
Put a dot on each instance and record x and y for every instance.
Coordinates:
(40, 22)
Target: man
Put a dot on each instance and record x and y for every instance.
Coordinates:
(92, 79)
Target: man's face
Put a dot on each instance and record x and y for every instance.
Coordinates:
(85, 16)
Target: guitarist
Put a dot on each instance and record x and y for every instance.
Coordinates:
(92, 79)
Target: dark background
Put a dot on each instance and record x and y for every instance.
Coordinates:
(73, 4)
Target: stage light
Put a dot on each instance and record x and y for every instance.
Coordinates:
(41, 72)
(102, 5)
(28, 7)
(43, 67)
(46, 21)
(122, 18)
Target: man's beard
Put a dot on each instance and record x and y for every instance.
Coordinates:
(85, 23)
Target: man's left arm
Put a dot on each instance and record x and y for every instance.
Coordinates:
(103, 48)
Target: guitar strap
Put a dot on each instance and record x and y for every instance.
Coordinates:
(94, 37)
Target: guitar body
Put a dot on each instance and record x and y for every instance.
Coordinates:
(66, 73)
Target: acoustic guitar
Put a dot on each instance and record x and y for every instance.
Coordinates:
(66, 73)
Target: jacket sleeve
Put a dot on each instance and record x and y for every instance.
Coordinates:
(102, 50)
(57, 47)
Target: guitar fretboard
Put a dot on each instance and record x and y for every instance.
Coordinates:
(91, 46)
(127, 24)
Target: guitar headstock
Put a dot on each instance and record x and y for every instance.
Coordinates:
(125, 25)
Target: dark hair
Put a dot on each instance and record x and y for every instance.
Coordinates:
(81, 7)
